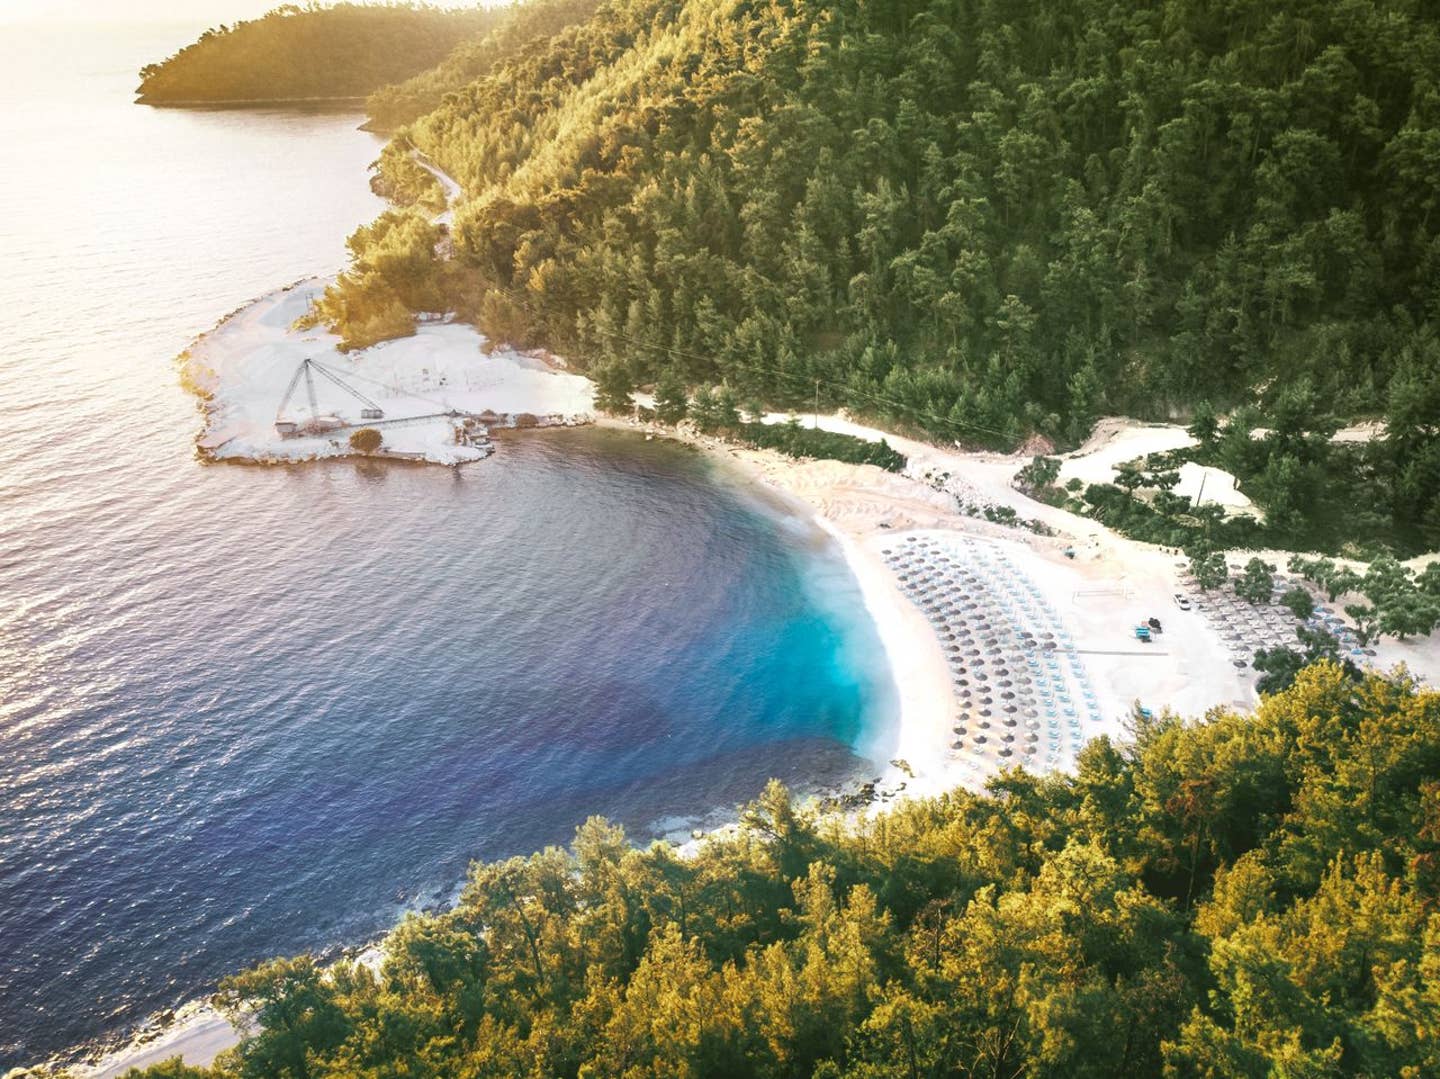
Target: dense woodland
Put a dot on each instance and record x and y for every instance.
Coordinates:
(978, 219)
(395, 105)
(310, 51)
(1239, 896)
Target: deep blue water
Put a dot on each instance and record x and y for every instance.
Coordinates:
(249, 711)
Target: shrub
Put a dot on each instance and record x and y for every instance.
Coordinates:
(798, 441)
(366, 440)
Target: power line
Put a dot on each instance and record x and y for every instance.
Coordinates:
(797, 379)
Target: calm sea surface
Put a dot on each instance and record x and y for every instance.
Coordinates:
(250, 711)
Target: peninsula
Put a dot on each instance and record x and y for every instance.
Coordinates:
(310, 55)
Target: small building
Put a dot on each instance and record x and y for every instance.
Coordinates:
(323, 425)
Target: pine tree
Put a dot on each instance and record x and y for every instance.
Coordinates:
(671, 401)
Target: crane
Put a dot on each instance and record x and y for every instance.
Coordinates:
(308, 368)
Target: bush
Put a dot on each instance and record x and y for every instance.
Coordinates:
(797, 441)
(366, 440)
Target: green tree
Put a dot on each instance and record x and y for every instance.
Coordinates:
(1409, 614)
(1204, 425)
(1257, 584)
(1299, 601)
(293, 1002)
(727, 411)
(1208, 567)
(1129, 477)
(614, 389)
(704, 409)
(1366, 619)
(671, 400)
(1342, 582)
(1039, 474)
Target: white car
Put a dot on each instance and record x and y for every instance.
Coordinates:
(1182, 602)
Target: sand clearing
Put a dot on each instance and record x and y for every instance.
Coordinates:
(245, 365)
(1117, 441)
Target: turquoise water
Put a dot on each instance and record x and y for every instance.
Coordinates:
(250, 711)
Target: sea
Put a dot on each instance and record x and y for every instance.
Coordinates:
(248, 711)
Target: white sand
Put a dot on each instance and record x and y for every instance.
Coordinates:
(1117, 441)
(1206, 483)
(197, 1038)
(245, 365)
(922, 680)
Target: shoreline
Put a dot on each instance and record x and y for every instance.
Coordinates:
(925, 705)
(197, 1031)
(860, 508)
(342, 102)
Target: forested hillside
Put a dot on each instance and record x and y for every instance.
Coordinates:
(309, 51)
(1244, 896)
(391, 106)
(1013, 213)
(978, 218)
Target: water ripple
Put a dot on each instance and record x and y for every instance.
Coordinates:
(246, 711)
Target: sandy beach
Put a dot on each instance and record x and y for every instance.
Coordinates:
(197, 1035)
(1099, 596)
